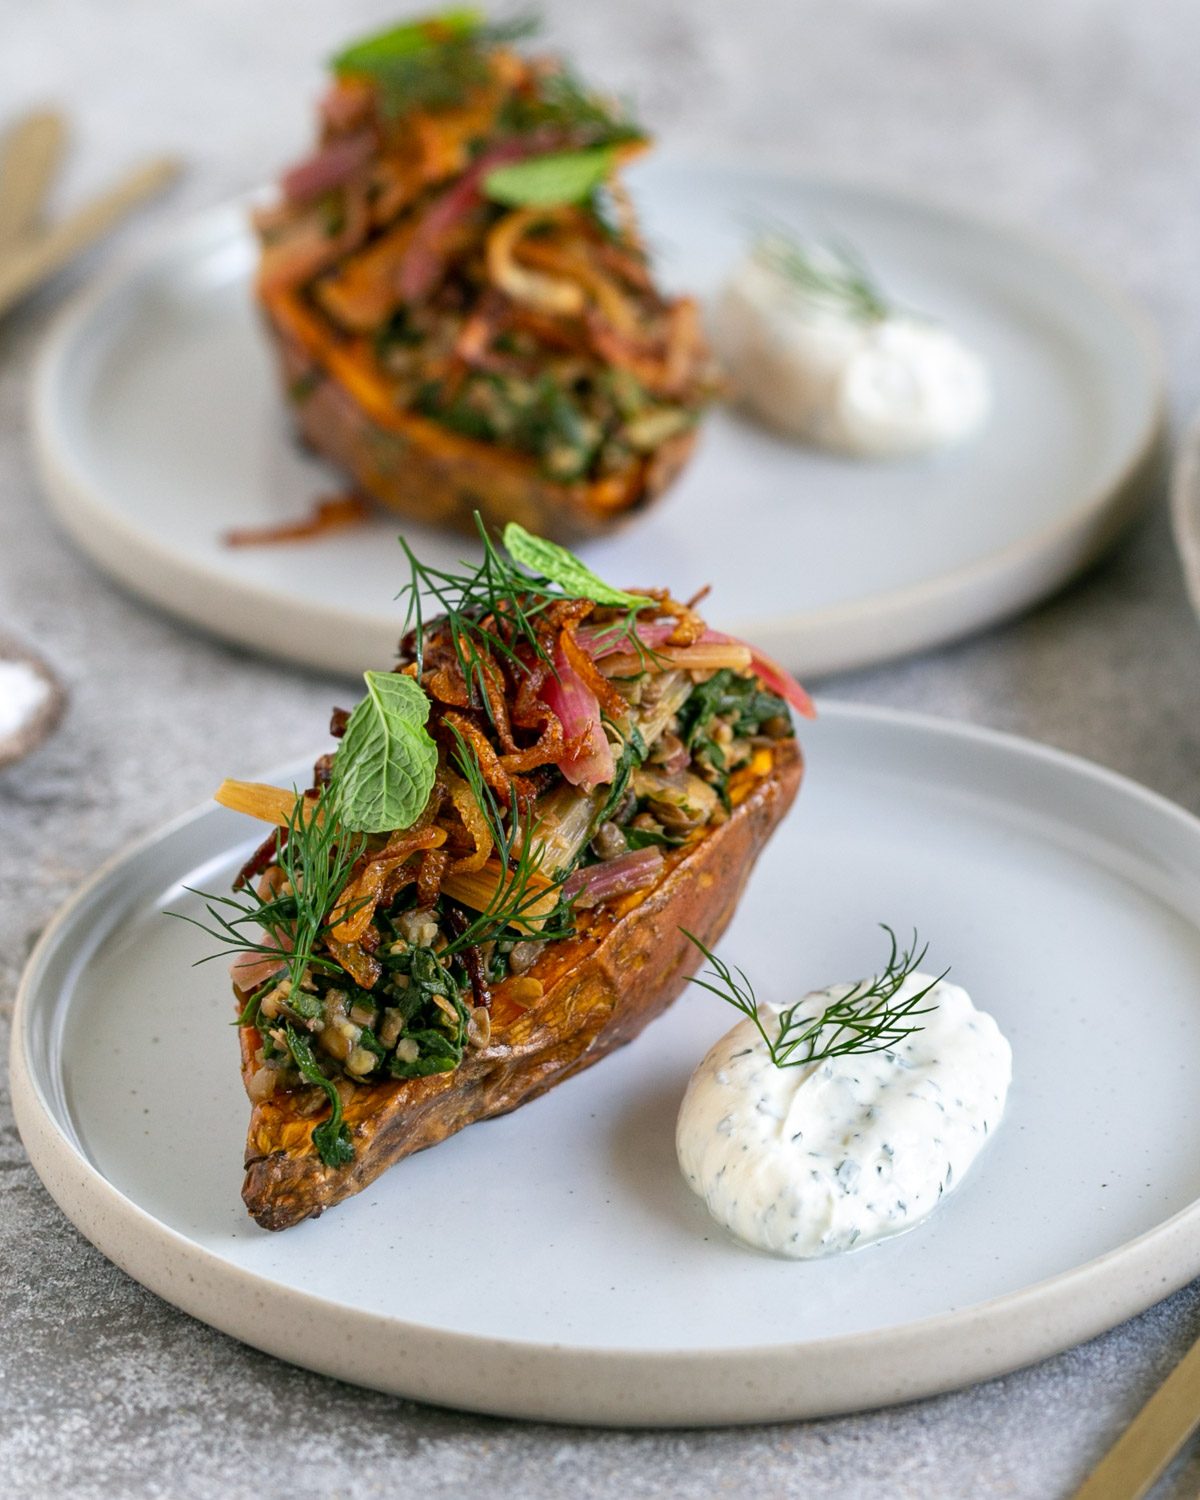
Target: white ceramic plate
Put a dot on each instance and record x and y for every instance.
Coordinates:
(159, 425)
(553, 1263)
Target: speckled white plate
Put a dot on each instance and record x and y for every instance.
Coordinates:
(159, 425)
(553, 1263)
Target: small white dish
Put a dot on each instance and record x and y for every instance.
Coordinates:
(159, 425)
(553, 1263)
(37, 703)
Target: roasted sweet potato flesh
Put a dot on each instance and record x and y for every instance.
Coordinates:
(427, 473)
(626, 964)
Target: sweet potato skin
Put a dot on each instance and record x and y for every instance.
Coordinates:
(601, 989)
(427, 473)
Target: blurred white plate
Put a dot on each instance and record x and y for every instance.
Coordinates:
(159, 425)
(553, 1263)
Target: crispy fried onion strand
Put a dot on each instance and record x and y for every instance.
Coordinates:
(473, 821)
(431, 867)
(352, 915)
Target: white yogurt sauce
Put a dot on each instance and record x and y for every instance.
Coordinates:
(871, 387)
(808, 1161)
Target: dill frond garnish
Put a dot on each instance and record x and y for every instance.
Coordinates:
(523, 893)
(831, 275)
(493, 607)
(867, 1018)
(316, 857)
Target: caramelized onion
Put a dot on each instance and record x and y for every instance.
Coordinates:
(473, 821)
(352, 915)
(548, 294)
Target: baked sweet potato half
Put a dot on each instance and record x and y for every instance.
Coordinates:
(627, 962)
(485, 890)
(463, 310)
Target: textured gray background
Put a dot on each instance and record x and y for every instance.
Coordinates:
(1080, 116)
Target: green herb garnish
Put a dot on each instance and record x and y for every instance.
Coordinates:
(385, 767)
(832, 275)
(867, 1018)
(430, 63)
(550, 181)
(556, 565)
(330, 1137)
(521, 894)
(316, 858)
(477, 599)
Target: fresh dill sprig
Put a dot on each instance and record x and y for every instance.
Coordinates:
(831, 274)
(521, 894)
(493, 590)
(492, 608)
(868, 1018)
(316, 857)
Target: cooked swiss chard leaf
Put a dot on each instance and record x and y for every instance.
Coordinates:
(633, 754)
(331, 1138)
(730, 698)
(645, 838)
(741, 701)
(435, 1017)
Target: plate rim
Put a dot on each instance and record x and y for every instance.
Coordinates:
(1185, 508)
(607, 1386)
(839, 637)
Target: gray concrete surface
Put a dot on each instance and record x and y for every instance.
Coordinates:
(1079, 116)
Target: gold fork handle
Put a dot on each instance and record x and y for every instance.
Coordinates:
(31, 152)
(22, 268)
(1139, 1456)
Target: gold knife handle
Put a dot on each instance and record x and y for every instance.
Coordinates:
(31, 152)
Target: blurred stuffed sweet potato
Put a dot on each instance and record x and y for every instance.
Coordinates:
(462, 308)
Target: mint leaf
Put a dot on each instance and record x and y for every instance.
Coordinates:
(405, 40)
(384, 769)
(555, 563)
(549, 181)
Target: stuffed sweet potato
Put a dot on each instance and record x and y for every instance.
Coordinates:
(463, 310)
(484, 889)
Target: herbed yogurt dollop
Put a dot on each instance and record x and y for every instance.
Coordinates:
(812, 348)
(812, 1160)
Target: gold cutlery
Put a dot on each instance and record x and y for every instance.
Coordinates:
(1139, 1456)
(30, 254)
(32, 151)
